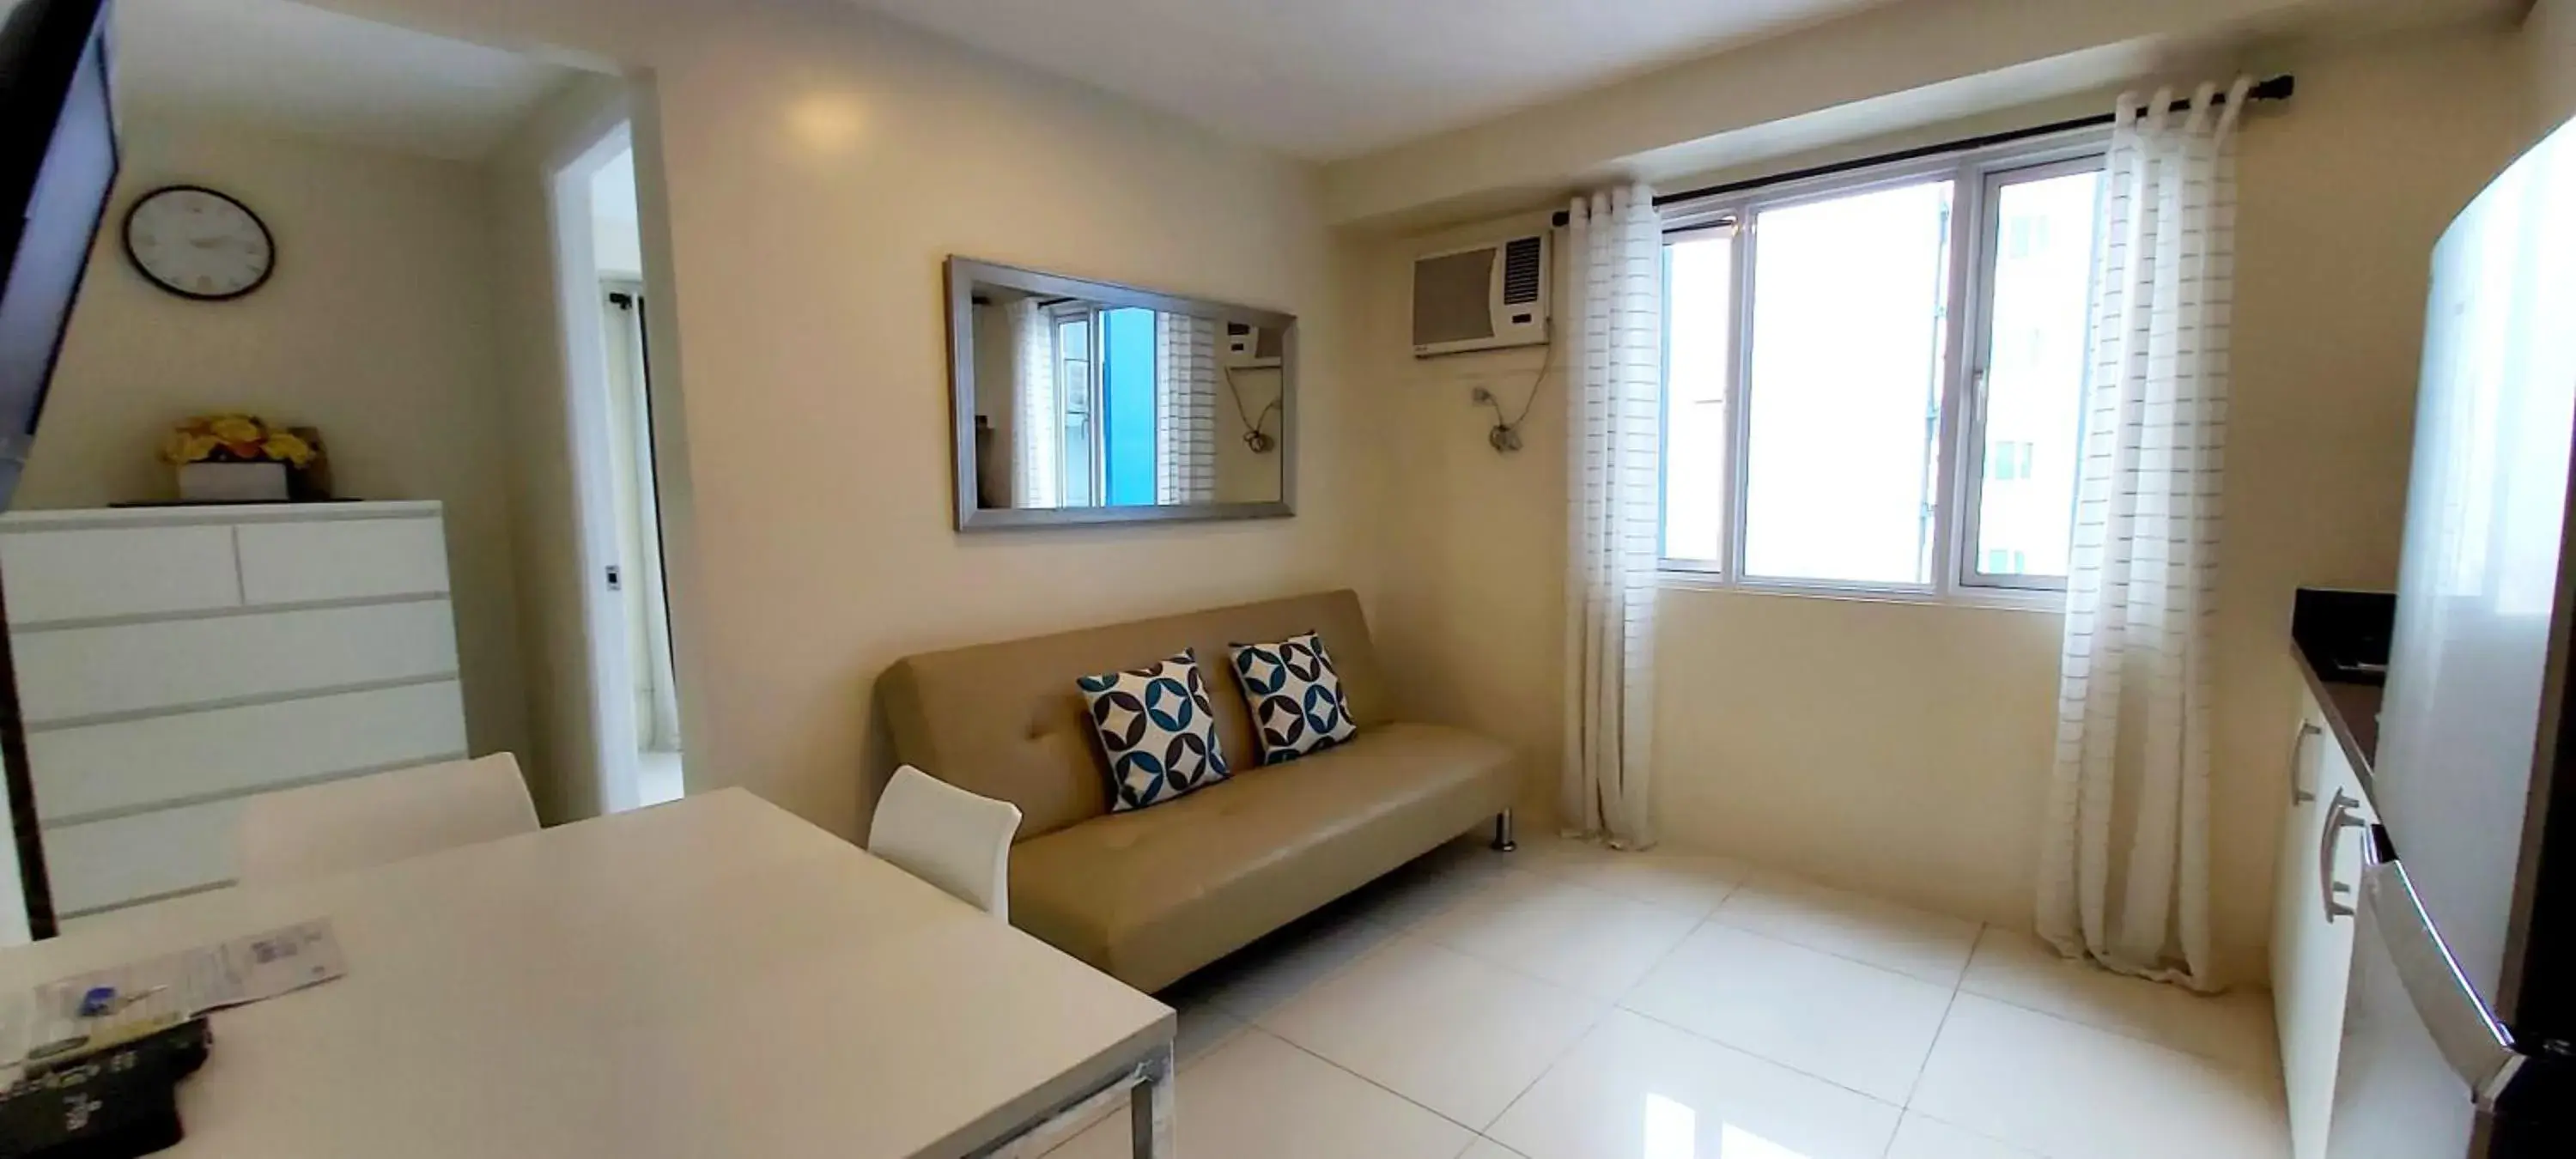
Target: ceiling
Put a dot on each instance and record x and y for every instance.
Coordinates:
(304, 70)
(1328, 79)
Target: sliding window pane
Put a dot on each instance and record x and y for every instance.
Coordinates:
(1073, 397)
(1699, 316)
(1845, 393)
(2034, 381)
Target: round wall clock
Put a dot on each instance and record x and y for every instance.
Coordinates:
(197, 243)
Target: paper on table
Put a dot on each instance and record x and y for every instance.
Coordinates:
(181, 985)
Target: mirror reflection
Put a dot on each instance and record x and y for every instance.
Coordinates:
(1118, 404)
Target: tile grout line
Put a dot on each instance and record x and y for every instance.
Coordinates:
(2229, 1065)
(1620, 1003)
(1880, 967)
(1764, 1059)
(1407, 1099)
(1392, 932)
(1615, 1005)
(1501, 873)
(1916, 1087)
(2116, 1032)
(2018, 1149)
(1516, 970)
(1395, 933)
(1741, 886)
(1398, 932)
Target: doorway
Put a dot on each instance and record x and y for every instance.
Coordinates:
(634, 694)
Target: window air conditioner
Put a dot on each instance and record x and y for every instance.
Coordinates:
(1483, 297)
(1248, 347)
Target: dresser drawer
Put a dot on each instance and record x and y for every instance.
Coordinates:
(134, 764)
(341, 559)
(110, 863)
(70, 674)
(101, 573)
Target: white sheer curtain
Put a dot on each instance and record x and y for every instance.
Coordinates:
(2124, 878)
(1185, 386)
(1037, 427)
(661, 723)
(1613, 356)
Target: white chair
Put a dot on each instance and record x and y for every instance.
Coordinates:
(948, 837)
(370, 820)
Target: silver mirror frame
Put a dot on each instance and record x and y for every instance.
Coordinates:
(964, 273)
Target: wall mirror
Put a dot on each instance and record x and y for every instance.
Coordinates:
(1088, 402)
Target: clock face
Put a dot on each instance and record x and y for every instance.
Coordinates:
(198, 243)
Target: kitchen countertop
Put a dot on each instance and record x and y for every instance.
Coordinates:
(2352, 715)
(2341, 641)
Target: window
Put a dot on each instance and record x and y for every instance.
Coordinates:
(1697, 366)
(1105, 392)
(2008, 462)
(1875, 383)
(2030, 383)
(1075, 391)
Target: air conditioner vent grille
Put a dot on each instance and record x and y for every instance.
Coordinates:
(1520, 271)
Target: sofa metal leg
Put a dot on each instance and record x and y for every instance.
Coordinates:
(1503, 842)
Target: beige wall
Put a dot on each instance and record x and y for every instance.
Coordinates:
(1241, 475)
(1904, 748)
(1876, 70)
(2549, 34)
(376, 328)
(818, 166)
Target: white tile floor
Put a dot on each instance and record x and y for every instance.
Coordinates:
(1565, 1002)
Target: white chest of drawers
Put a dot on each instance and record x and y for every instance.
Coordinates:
(173, 662)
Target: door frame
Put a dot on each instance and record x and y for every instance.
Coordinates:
(581, 312)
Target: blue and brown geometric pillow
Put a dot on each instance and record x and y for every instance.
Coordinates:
(1158, 729)
(1295, 695)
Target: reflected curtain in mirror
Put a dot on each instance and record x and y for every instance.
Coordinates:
(1031, 364)
(1185, 377)
(1089, 402)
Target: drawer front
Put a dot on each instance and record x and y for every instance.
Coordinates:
(126, 765)
(110, 863)
(101, 573)
(342, 559)
(77, 673)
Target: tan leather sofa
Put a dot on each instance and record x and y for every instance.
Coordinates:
(1150, 895)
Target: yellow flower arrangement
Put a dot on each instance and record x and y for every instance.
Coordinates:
(235, 438)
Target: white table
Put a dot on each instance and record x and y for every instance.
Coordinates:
(713, 977)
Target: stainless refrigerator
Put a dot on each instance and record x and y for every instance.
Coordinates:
(2460, 1025)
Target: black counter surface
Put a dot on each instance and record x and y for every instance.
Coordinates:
(2341, 639)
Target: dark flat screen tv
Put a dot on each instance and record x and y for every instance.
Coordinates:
(58, 164)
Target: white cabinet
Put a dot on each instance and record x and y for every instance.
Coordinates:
(2314, 888)
(173, 662)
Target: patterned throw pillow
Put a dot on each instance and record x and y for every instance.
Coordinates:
(1295, 696)
(1158, 729)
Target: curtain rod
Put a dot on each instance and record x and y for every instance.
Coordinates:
(2278, 88)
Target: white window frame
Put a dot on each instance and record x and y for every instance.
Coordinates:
(1972, 450)
(1957, 575)
(1094, 469)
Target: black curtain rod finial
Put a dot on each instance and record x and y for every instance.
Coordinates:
(2279, 88)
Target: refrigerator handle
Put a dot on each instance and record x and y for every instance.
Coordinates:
(2338, 818)
(2476, 1045)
